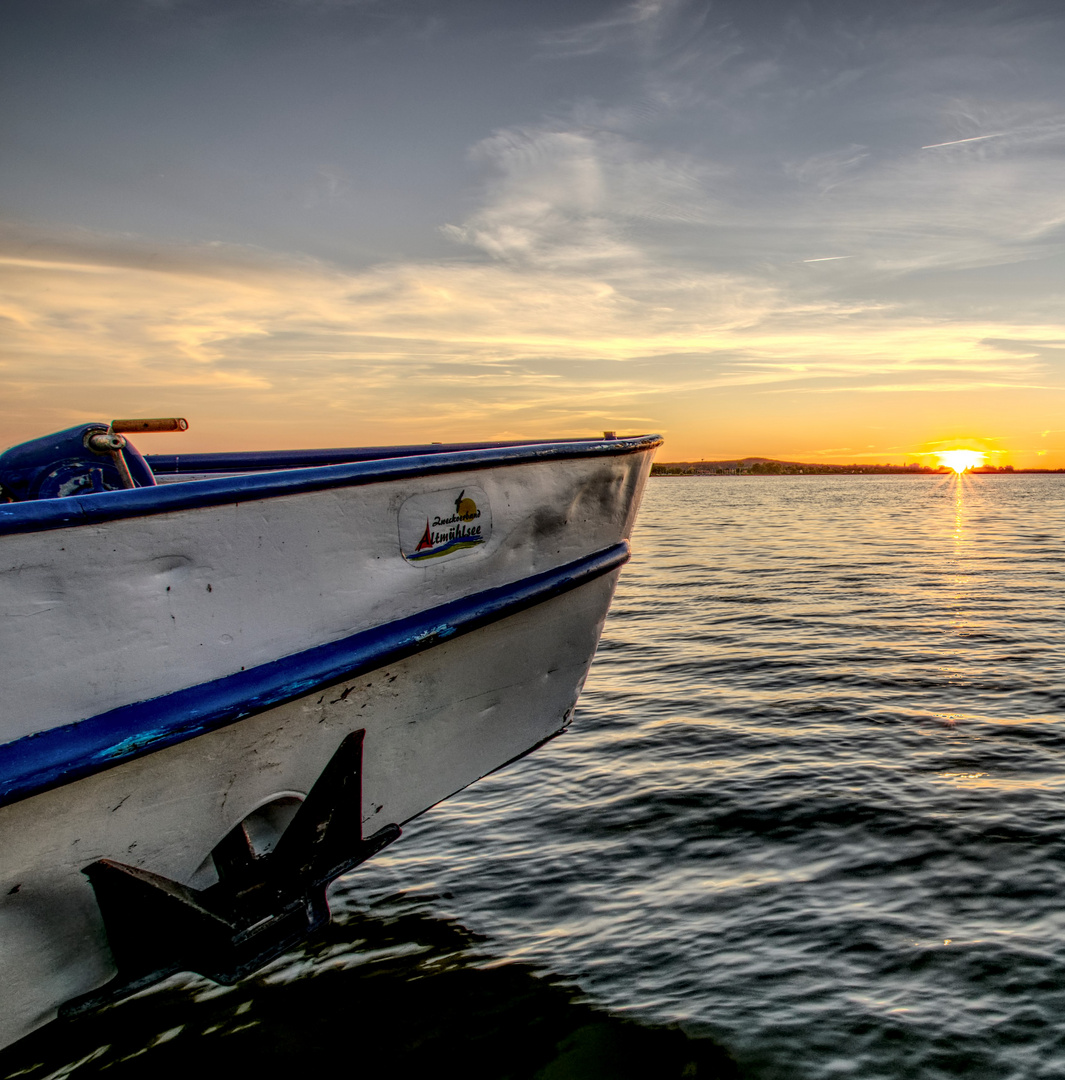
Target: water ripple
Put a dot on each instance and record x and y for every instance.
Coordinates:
(812, 803)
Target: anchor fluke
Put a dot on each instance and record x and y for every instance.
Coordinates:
(261, 906)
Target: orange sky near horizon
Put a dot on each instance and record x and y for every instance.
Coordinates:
(260, 351)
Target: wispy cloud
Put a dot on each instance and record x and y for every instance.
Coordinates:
(828, 170)
(918, 387)
(985, 193)
(302, 351)
(633, 22)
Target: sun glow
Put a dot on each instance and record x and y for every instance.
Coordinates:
(960, 460)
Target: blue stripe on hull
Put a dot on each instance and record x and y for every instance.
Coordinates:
(37, 516)
(51, 758)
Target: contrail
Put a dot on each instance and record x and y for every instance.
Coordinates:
(829, 258)
(956, 142)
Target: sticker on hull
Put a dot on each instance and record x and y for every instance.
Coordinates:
(444, 524)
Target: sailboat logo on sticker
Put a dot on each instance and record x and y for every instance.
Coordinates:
(444, 524)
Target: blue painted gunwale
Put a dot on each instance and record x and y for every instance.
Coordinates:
(49, 759)
(46, 514)
(259, 460)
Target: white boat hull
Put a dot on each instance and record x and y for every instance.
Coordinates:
(129, 643)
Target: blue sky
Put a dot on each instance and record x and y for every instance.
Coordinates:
(809, 230)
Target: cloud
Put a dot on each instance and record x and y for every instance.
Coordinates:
(559, 197)
(328, 185)
(828, 170)
(639, 21)
(260, 349)
(918, 387)
(104, 325)
(936, 180)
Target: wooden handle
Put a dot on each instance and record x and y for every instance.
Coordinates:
(168, 423)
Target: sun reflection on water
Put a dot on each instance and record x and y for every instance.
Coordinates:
(959, 512)
(958, 617)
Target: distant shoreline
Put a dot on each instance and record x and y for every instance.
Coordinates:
(768, 467)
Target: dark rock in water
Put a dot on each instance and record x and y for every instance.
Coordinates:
(403, 996)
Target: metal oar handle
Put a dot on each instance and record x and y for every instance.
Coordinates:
(166, 423)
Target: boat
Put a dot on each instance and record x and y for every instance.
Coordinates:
(229, 678)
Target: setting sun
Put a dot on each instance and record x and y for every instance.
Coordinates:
(960, 460)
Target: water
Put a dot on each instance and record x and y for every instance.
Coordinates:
(812, 811)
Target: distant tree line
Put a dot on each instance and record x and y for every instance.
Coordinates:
(763, 467)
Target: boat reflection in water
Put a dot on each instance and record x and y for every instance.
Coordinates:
(423, 990)
(229, 678)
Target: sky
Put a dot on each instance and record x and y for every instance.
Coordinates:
(818, 231)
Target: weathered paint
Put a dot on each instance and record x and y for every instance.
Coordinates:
(49, 758)
(102, 615)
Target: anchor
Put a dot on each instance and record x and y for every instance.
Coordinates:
(261, 905)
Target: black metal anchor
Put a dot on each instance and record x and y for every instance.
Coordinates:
(261, 905)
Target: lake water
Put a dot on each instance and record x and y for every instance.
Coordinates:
(811, 810)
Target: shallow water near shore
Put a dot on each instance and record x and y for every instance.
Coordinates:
(809, 822)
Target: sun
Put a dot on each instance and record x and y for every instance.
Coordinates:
(960, 460)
